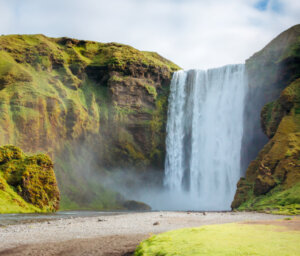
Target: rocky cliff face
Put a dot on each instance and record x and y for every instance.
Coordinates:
(91, 106)
(272, 179)
(269, 72)
(27, 183)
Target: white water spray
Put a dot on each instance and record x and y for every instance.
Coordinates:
(204, 136)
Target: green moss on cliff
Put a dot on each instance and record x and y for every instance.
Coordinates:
(151, 90)
(275, 173)
(11, 202)
(272, 179)
(61, 91)
(159, 60)
(121, 56)
(271, 115)
(59, 95)
(280, 200)
(27, 183)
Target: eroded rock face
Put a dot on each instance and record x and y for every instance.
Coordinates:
(31, 177)
(277, 166)
(60, 95)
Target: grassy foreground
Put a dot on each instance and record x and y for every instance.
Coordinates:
(226, 239)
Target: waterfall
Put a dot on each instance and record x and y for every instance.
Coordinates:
(204, 135)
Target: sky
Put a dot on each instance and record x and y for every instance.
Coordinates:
(192, 33)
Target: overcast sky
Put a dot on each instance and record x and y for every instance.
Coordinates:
(191, 33)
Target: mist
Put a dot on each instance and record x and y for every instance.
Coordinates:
(205, 153)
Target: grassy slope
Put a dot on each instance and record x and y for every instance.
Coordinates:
(226, 239)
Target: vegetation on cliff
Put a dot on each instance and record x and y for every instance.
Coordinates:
(71, 98)
(95, 107)
(272, 181)
(27, 183)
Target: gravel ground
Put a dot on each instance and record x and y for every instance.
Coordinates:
(106, 235)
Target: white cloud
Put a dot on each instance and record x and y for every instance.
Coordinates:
(192, 33)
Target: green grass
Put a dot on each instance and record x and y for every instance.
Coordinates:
(119, 55)
(11, 202)
(278, 201)
(159, 60)
(223, 240)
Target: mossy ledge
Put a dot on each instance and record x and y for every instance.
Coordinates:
(74, 98)
(27, 183)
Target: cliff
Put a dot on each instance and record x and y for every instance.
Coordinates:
(93, 107)
(27, 183)
(272, 180)
(96, 108)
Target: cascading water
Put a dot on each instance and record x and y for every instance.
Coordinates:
(204, 136)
